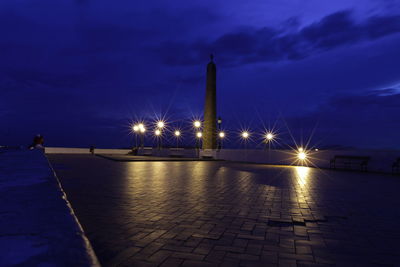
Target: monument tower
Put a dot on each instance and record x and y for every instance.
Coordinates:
(210, 107)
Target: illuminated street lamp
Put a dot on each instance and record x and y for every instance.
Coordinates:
(245, 136)
(135, 129)
(301, 156)
(198, 140)
(177, 134)
(219, 141)
(221, 136)
(142, 131)
(160, 124)
(269, 137)
(197, 124)
(157, 133)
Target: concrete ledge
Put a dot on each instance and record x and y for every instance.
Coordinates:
(76, 150)
(37, 224)
(129, 158)
(381, 160)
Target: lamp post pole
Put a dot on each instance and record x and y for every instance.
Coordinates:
(219, 122)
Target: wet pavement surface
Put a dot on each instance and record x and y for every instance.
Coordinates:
(230, 214)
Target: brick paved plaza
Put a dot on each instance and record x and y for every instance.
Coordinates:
(229, 214)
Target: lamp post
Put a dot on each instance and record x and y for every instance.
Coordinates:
(268, 139)
(157, 133)
(142, 131)
(219, 122)
(245, 135)
(135, 129)
(199, 135)
(197, 126)
(177, 134)
(160, 127)
(221, 136)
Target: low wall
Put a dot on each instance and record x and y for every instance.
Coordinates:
(381, 160)
(37, 224)
(71, 150)
(169, 152)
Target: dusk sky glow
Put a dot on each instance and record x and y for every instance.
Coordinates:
(80, 72)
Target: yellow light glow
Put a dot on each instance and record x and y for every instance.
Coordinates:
(160, 124)
(269, 136)
(245, 135)
(302, 175)
(177, 133)
(197, 124)
(221, 134)
(301, 149)
(142, 130)
(157, 132)
(199, 134)
(302, 156)
(135, 128)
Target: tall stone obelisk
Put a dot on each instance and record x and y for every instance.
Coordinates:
(210, 107)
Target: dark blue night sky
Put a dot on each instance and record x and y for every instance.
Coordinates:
(78, 72)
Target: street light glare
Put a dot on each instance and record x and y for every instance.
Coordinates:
(197, 124)
(157, 132)
(269, 136)
(221, 134)
(177, 133)
(199, 134)
(142, 130)
(135, 128)
(301, 149)
(302, 156)
(245, 134)
(160, 124)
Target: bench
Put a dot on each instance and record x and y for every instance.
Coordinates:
(347, 161)
(396, 166)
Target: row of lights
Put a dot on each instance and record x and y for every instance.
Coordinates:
(140, 128)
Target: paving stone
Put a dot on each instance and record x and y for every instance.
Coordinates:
(215, 256)
(159, 256)
(231, 214)
(172, 262)
(188, 256)
(242, 256)
(303, 250)
(198, 263)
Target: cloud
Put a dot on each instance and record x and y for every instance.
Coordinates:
(269, 45)
(365, 121)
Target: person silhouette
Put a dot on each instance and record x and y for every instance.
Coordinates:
(38, 142)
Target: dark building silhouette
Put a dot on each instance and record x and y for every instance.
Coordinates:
(210, 108)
